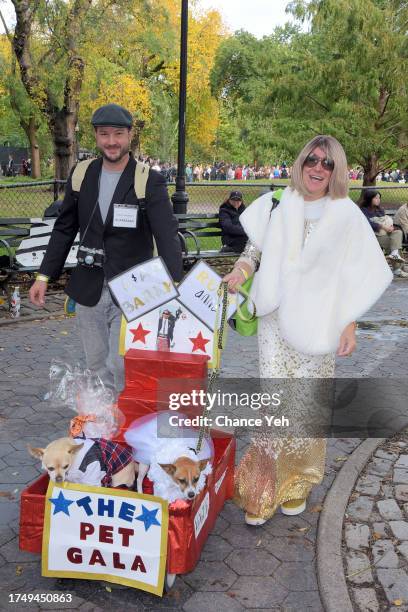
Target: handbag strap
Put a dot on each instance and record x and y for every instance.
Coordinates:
(241, 315)
(219, 341)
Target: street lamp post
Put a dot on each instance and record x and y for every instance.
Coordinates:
(180, 197)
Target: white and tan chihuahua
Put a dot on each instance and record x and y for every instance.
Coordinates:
(171, 463)
(96, 462)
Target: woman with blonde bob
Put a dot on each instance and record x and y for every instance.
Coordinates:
(317, 267)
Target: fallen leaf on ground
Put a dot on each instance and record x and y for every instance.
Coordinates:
(301, 529)
(341, 458)
(19, 570)
(377, 536)
(7, 494)
(398, 602)
(108, 589)
(64, 333)
(174, 594)
(317, 508)
(259, 542)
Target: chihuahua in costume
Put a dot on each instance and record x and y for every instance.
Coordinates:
(96, 462)
(176, 469)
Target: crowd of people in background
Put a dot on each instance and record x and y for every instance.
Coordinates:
(217, 171)
(220, 171)
(10, 168)
(224, 171)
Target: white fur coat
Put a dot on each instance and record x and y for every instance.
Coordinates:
(319, 288)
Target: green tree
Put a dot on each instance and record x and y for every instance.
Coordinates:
(356, 60)
(18, 114)
(244, 77)
(346, 77)
(46, 43)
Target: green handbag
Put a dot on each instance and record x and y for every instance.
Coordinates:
(245, 323)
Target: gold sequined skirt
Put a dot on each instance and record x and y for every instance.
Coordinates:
(279, 469)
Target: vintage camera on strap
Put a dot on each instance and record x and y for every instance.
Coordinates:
(90, 258)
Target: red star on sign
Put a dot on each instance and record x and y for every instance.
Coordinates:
(199, 342)
(139, 334)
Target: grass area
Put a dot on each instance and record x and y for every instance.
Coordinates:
(31, 201)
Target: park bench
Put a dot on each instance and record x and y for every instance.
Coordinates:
(200, 235)
(23, 242)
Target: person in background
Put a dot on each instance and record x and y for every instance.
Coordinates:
(10, 166)
(233, 235)
(389, 236)
(189, 173)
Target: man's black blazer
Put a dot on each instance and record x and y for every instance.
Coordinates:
(123, 247)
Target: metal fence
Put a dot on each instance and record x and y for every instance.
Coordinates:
(30, 199)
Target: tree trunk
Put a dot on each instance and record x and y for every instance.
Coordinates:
(135, 142)
(34, 148)
(371, 167)
(61, 120)
(63, 129)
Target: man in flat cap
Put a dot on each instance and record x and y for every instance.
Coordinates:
(110, 242)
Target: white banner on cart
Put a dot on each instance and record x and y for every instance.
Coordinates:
(199, 292)
(171, 327)
(143, 288)
(98, 533)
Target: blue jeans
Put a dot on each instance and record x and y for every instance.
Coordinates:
(99, 327)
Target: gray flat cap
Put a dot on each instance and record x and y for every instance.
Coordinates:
(112, 115)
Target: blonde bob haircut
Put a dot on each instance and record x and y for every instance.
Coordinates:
(338, 185)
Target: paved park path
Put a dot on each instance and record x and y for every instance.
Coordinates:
(273, 567)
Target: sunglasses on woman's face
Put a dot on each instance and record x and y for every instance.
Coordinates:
(312, 160)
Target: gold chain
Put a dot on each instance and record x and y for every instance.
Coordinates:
(219, 343)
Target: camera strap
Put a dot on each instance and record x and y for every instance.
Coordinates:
(92, 214)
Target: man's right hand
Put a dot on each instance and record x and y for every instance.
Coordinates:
(37, 293)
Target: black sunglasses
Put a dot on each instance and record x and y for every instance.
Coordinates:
(312, 160)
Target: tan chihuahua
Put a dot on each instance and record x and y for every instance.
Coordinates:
(185, 473)
(96, 462)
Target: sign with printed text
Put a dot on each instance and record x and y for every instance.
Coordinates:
(97, 533)
(143, 288)
(171, 327)
(202, 514)
(199, 292)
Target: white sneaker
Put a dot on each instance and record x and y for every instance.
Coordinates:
(395, 258)
(253, 520)
(400, 273)
(293, 507)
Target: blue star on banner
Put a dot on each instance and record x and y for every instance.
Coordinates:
(61, 504)
(148, 517)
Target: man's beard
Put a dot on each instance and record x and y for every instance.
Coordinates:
(115, 157)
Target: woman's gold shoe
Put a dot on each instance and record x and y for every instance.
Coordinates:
(293, 507)
(252, 519)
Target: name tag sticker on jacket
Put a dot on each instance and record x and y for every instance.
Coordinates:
(125, 215)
